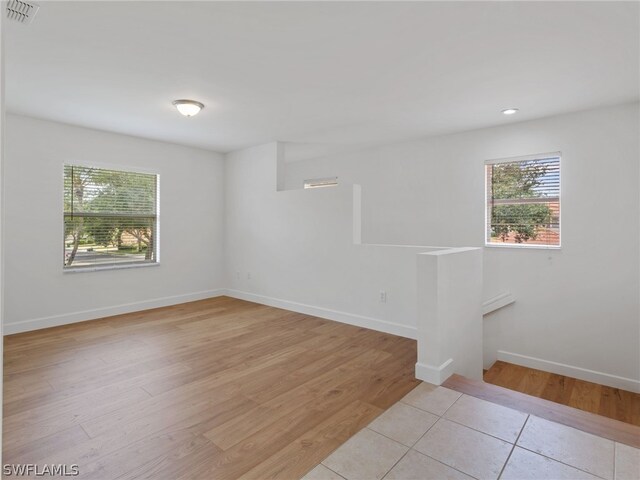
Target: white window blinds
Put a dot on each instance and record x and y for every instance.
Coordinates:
(523, 201)
(110, 217)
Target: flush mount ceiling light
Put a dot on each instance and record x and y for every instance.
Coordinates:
(188, 108)
(510, 111)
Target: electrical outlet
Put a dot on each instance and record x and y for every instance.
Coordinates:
(383, 296)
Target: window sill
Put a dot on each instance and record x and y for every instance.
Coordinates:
(523, 247)
(123, 266)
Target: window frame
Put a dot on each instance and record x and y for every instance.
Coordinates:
(122, 265)
(522, 158)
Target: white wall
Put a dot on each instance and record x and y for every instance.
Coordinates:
(577, 307)
(297, 249)
(37, 292)
(449, 314)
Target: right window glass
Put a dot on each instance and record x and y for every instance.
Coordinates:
(523, 201)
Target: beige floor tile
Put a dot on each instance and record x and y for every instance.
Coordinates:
(322, 473)
(568, 445)
(464, 449)
(404, 423)
(627, 462)
(526, 465)
(431, 398)
(496, 420)
(365, 456)
(415, 466)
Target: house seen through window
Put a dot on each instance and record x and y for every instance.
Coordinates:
(110, 217)
(523, 201)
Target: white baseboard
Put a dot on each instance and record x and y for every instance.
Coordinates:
(601, 378)
(74, 317)
(434, 375)
(338, 316)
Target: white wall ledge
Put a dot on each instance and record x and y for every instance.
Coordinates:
(497, 302)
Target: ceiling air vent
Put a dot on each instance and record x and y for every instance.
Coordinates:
(21, 11)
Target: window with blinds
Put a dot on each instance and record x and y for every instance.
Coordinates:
(523, 201)
(110, 217)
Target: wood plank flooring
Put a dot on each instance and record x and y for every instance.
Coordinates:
(590, 397)
(219, 388)
(588, 422)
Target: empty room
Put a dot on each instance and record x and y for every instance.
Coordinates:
(321, 240)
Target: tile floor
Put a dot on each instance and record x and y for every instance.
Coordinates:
(437, 433)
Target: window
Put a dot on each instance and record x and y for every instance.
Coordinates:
(321, 182)
(110, 218)
(523, 201)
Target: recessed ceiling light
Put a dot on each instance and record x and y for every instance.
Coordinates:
(510, 111)
(188, 108)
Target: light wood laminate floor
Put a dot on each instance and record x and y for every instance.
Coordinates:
(599, 399)
(219, 388)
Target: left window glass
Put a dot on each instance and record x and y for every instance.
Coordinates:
(110, 218)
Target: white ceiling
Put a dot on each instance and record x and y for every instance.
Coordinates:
(333, 73)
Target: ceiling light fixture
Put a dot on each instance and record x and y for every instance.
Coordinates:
(510, 111)
(188, 108)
